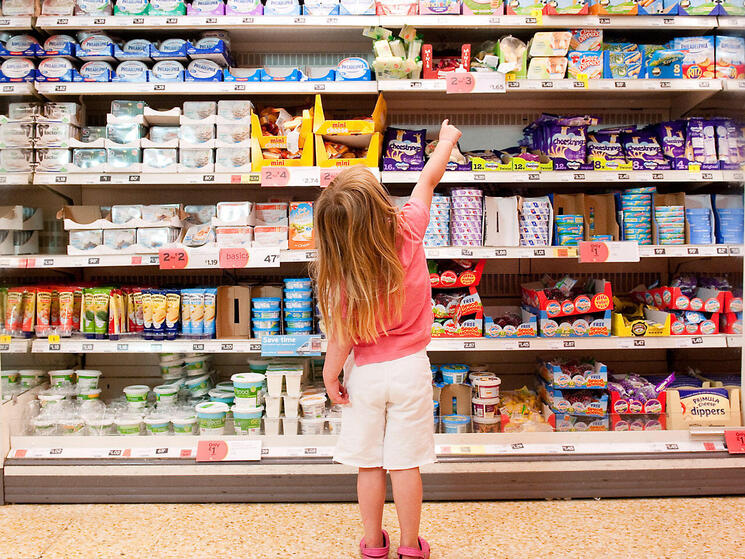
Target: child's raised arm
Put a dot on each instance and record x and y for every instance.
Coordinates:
(435, 167)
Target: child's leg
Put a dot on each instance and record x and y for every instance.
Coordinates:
(407, 494)
(371, 496)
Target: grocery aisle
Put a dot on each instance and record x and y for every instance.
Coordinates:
(607, 529)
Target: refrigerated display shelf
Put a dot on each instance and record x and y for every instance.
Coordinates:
(139, 345)
(13, 23)
(693, 175)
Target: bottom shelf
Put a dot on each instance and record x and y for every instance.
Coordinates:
(299, 469)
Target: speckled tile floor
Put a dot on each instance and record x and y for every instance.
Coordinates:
(675, 528)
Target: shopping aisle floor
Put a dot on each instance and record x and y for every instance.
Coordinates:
(607, 529)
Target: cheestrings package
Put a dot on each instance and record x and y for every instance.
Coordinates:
(404, 150)
(643, 150)
(604, 148)
(672, 137)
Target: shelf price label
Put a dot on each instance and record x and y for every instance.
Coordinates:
(173, 258)
(275, 176)
(227, 451)
(598, 251)
(735, 439)
(328, 175)
(5, 341)
(460, 82)
(234, 258)
(479, 82)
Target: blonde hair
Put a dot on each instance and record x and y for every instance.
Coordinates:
(358, 274)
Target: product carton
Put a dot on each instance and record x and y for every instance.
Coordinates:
(624, 326)
(706, 406)
(671, 199)
(600, 300)
(554, 376)
(614, 7)
(560, 401)
(483, 7)
(301, 234)
(648, 422)
(567, 7)
(625, 406)
(304, 140)
(527, 329)
(523, 7)
(373, 143)
(699, 59)
(501, 226)
(597, 325)
(233, 312)
(11, 218)
(564, 422)
(453, 398)
(730, 63)
(429, 62)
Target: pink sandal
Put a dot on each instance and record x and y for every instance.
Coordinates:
(421, 553)
(376, 552)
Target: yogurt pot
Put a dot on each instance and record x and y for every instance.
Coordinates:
(297, 283)
(455, 423)
(184, 425)
(70, 425)
(247, 420)
(225, 386)
(211, 417)
(44, 426)
(258, 365)
(487, 386)
(297, 294)
(291, 405)
(89, 394)
(128, 425)
(9, 378)
(454, 374)
(289, 425)
(247, 387)
(166, 394)
(271, 426)
(136, 395)
(170, 372)
(217, 395)
(486, 424)
(298, 315)
(100, 425)
(271, 324)
(158, 424)
(334, 424)
(265, 303)
(191, 373)
(198, 386)
(259, 333)
(274, 383)
(194, 363)
(313, 405)
(298, 331)
(266, 315)
(298, 305)
(31, 377)
(171, 359)
(299, 324)
(292, 383)
(273, 405)
(483, 407)
(61, 376)
(312, 425)
(87, 378)
(50, 399)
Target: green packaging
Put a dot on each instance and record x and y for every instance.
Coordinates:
(166, 8)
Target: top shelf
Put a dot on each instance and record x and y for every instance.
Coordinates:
(15, 23)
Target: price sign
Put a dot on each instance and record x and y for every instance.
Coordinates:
(460, 82)
(226, 451)
(583, 79)
(275, 176)
(597, 251)
(328, 175)
(537, 13)
(53, 338)
(173, 258)
(735, 439)
(233, 258)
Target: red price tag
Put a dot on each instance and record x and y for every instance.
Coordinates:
(275, 176)
(328, 175)
(233, 258)
(173, 258)
(30, 263)
(735, 439)
(211, 451)
(461, 82)
(593, 252)
(136, 260)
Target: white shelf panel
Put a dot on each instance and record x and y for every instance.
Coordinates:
(228, 23)
(410, 177)
(206, 88)
(15, 178)
(145, 178)
(735, 85)
(731, 23)
(138, 345)
(8, 23)
(561, 22)
(16, 89)
(13, 262)
(15, 346)
(99, 260)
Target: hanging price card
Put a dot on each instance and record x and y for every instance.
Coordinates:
(173, 258)
(233, 258)
(597, 251)
(226, 451)
(460, 82)
(735, 439)
(477, 82)
(275, 176)
(328, 175)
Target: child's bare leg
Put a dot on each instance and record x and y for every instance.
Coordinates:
(407, 494)
(371, 496)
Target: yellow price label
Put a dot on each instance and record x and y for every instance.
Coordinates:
(537, 13)
(53, 338)
(694, 167)
(510, 77)
(584, 78)
(5, 339)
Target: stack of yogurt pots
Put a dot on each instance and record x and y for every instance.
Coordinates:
(454, 373)
(16, 381)
(298, 306)
(438, 230)
(533, 222)
(265, 316)
(248, 392)
(485, 401)
(279, 375)
(466, 217)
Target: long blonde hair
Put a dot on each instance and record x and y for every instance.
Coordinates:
(358, 274)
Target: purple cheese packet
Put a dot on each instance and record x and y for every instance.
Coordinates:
(727, 143)
(604, 146)
(404, 150)
(701, 142)
(643, 150)
(672, 136)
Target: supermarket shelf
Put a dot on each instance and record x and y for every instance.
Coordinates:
(735, 85)
(15, 346)
(410, 177)
(15, 178)
(50, 261)
(16, 89)
(205, 88)
(731, 23)
(559, 22)
(15, 23)
(734, 341)
(138, 345)
(13, 262)
(179, 179)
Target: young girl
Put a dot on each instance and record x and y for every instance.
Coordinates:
(375, 298)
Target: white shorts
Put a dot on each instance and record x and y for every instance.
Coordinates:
(388, 422)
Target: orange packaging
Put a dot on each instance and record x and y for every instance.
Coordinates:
(14, 310)
(54, 313)
(43, 310)
(66, 300)
(29, 309)
(77, 308)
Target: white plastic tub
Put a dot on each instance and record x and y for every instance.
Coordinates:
(291, 405)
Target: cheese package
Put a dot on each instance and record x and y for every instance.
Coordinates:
(547, 68)
(730, 63)
(589, 63)
(439, 7)
(586, 40)
(396, 7)
(550, 43)
(698, 56)
(482, 7)
(301, 225)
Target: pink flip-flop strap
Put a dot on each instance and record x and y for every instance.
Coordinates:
(411, 552)
(376, 552)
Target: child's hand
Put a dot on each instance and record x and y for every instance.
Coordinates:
(337, 393)
(449, 133)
